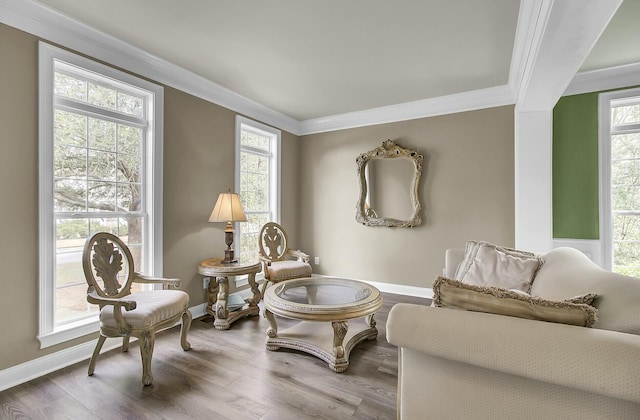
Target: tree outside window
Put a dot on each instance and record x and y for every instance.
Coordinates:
(625, 184)
(100, 143)
(257, 177)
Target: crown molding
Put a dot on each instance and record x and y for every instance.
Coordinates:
(533, 17)
(553, 57)
(532, 20)
(450, 104)
(48, 24)
(53, 26)
(604, 79)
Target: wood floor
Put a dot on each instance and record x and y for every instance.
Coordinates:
(226, 375)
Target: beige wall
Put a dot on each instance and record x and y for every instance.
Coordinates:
(198, 164)
(467, 192)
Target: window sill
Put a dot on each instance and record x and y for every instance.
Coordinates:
(69, 332)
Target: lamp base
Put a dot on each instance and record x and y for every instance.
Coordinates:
(228, 239)
(229, 257)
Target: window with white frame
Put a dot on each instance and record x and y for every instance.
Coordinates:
(257, 181)
(100, 171)
(620, 186)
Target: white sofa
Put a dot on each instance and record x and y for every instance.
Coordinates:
(456, 364)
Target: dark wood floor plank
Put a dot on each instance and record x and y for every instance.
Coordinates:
(227, 375)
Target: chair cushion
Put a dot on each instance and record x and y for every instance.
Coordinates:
(152, 307)
(290, 269)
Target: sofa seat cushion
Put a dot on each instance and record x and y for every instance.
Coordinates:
(288, 269)
(152, 307)
(458, 295)
(486, 264)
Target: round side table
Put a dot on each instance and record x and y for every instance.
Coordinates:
(218, 290)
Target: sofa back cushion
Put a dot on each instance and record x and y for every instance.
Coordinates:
(567, 272)
(486, 264)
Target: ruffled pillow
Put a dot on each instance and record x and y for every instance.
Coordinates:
(454, 294)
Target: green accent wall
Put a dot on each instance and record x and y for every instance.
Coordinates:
(575, 167)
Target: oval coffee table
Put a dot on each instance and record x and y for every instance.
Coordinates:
(322, 299)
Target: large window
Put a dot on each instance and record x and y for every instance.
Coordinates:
(257, 181)
(100, 151)
(620, 168)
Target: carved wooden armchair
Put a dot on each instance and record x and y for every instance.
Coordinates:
(278, 261)
(125, 314)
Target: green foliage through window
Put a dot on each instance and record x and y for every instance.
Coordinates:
(625, 185)
(257, 187)
(98, 167)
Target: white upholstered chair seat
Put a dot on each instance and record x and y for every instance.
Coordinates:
(282, 270)
(152, 307)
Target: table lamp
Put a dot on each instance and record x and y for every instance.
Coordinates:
(228, 209)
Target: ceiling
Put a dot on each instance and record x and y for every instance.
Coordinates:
(620, 42)
(312, 59)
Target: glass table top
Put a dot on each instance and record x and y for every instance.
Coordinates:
(322, 299)
(328, 291)
(322, 294)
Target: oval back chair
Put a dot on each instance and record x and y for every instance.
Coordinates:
(109, 272)
(278, 260)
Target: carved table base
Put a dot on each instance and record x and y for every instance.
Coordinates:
(218, 290)
(333, 345)
(217, 295)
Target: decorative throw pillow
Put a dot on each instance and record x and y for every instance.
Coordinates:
(449, 293)
(486, 264)
(587, 298)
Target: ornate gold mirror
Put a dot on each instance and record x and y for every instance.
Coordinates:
(389, 176)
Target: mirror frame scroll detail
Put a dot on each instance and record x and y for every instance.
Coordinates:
(388, 150)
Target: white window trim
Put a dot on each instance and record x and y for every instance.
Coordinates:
(604, 146)
(276, 170)
(48, 335)
(276, 181)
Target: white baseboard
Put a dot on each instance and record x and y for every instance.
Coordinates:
(32, 369)
(396, 289)
(400, 289)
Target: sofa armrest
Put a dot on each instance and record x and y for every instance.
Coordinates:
(599, 361)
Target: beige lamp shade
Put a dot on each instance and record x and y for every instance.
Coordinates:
(228, 209)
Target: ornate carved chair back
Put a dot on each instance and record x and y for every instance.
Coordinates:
(279, 262)
(108, 266)
(109, 271)
(273, 242)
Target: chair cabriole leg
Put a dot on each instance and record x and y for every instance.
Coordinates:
(147, 340)
(186, 324)
(96, 352)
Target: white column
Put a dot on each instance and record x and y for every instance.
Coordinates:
(533, 182)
